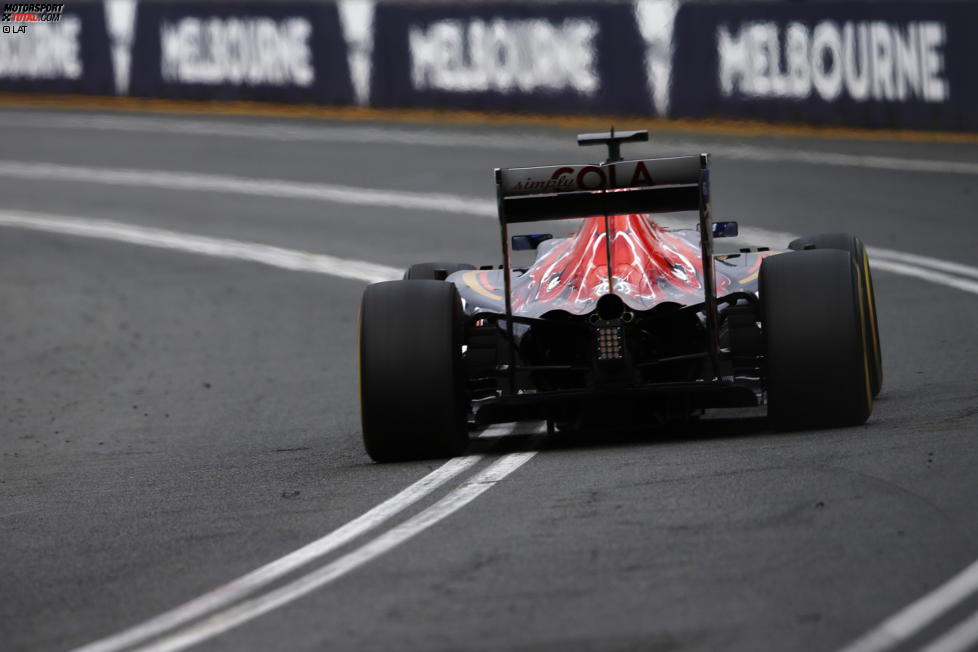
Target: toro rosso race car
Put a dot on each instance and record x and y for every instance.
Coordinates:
(623, 324)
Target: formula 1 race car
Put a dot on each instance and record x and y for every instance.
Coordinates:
(623, 324)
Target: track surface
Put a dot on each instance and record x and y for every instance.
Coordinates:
(170, 421)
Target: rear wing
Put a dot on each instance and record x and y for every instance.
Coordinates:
(615, 187)
(662, 185)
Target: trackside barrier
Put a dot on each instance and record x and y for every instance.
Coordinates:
(872, 64)
(561, 57)
(67, 55)
(906, 64)
(274, 51)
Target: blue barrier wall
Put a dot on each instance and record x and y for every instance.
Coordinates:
(541, 58)
(70, 55)
(897, 64)
(894, 64)
(281, 51)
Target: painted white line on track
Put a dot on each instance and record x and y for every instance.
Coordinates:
(387, 136)
(899, 627)
(815, 157)
(925, 274)
(927, 268)
(927, 609)
(898, 262)
(247, 584)
(304, 261)
(260, 605)
(925, 261)
(901, 263)
(279, 188)
(284, 132)
(289, 259)
(962, 638)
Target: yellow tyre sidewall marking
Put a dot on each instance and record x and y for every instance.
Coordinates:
(872, 313)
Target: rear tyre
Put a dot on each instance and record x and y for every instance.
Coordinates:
(433, 271)
(817, 367)
(855, 247)
(413, 402)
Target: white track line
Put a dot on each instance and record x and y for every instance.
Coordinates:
(925, 261)
(256, 579)
(898, 262)
(297, 132)
(255, 607)
(925, 274)
(891, 632)
(960, 639)
(360, 270)
(289, 259)
(925, 268)
(899, 627)
(437, 202)
(304, 261)
(815, 157)
(387, 136)
(279, 188)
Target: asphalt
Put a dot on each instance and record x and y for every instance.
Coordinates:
(170, 421)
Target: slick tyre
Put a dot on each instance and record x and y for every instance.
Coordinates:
(433, 271)
(412, 392)
(856, 249)
(817, 367)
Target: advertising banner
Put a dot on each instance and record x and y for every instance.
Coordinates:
(539, 57)
(275, 51)
(874, 64)
(899, 64)
(54, 48)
